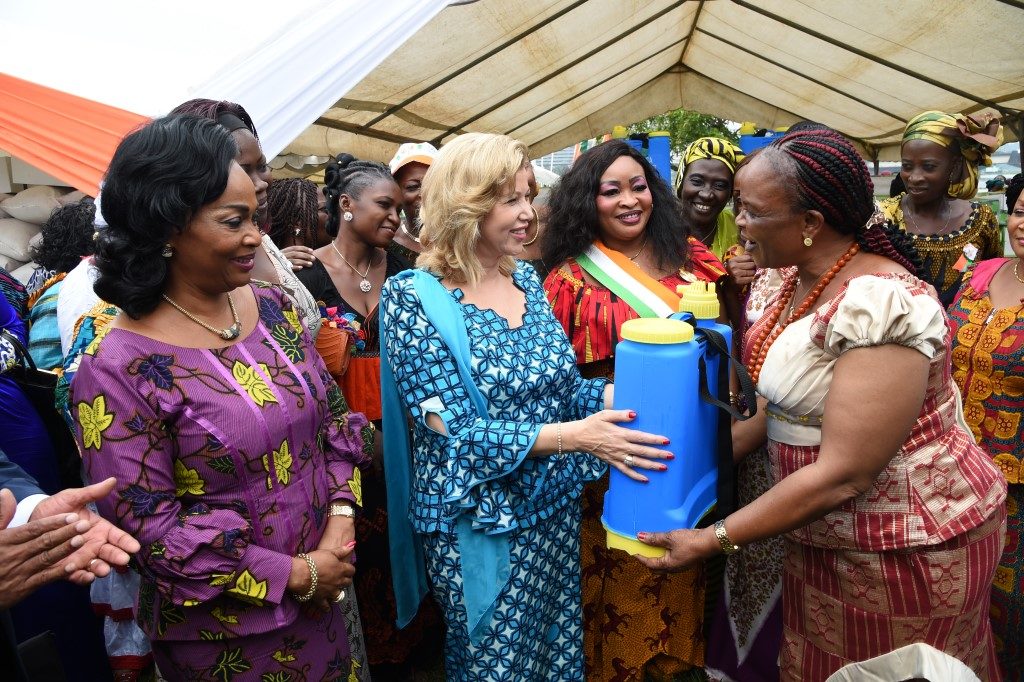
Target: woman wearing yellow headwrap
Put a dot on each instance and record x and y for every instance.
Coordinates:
(940, 158)
(704, 184)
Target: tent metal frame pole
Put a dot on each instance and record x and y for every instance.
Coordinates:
(801, 75)
(368, 132)
(595, 85)
(867, 55)
(689, 34)
(560, 70)
(479, 60)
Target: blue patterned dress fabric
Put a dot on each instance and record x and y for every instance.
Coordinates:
(479, 472)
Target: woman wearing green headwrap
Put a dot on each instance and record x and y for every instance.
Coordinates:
(704, 184)
(940, 158)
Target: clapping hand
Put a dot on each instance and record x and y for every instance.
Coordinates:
(104, 544)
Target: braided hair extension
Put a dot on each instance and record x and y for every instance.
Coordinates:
(831, 177)
(292, 204)
(350, 176)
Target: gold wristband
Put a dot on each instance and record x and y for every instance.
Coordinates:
(728, 546)
(558, 432)
(312, 579)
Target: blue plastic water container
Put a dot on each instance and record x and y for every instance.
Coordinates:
(656, 376)
(659, 149)
(750, 143)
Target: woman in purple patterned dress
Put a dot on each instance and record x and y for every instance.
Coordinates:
(206, 399)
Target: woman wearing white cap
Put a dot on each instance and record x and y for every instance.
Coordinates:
(408, 166)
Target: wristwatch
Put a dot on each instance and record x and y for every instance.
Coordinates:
(728, 547)
(343, 510)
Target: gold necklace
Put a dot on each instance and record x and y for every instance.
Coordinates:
(917, 230)
(364, 284)
(1016, 271)
(642, 246)
(229, 334)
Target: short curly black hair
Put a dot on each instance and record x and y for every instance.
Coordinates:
(573, 222)
(1013, 188)
(160, 176)
(67, 236)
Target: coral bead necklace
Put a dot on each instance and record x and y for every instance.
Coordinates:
(775, 326)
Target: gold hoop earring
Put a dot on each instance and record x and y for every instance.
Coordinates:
(808, 241)
(536, 221)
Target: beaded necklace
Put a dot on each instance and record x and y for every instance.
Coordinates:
(774, 327)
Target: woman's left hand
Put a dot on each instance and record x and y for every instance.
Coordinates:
(341, 530)
(299, 256)
(685, 548)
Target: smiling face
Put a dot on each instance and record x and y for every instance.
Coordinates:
(410, 179)
(217, 249)
(926, 168)
(705, 190)
(375, 212)
(504, 230)
(769, 226)
(624, 202)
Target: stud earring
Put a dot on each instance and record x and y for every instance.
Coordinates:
(298, 231)
(808, 241)
(168, 251)
(347, 215)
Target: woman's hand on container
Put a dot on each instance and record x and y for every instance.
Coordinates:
(625, 449)
(685, 548)
(741, 269)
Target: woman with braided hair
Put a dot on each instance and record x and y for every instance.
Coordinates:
(893, 517)
(363, 204)
(940, 158)
(293, 207)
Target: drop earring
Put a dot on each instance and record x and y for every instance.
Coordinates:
(808, 241)
(347, 215)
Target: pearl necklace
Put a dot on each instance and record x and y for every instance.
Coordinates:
(229, 334)
(364, 284)
(774, 327)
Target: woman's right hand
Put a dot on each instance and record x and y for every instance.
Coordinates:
(600, 435)
(333, 575)
(741, 269)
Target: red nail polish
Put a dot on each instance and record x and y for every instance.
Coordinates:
(632, 414)
(641, 536)
(664, 467)
(645, 480)
(666, 442)
(669, 455)
(350, 545)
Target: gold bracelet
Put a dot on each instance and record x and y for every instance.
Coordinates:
(312, 579)
(726, 543)
(558, 432)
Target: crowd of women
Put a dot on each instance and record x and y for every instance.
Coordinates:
(360, 427)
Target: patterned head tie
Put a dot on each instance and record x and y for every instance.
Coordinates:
(709, 148)
(975, 141)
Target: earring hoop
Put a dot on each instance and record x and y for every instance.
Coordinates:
(536, 221)
(808, 241)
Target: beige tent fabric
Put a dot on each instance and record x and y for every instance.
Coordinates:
(553, 72)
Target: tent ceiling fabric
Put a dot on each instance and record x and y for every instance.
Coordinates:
(285, 62)
(554, 72)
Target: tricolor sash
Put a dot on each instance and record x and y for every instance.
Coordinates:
(644, 294)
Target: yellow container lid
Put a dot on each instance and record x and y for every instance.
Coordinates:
(632, 545)
(656, 330)
(700, 299)
(748, 128)
(619, 132)
(659, 133)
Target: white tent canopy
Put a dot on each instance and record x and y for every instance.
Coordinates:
(553, 72)
(285, 62)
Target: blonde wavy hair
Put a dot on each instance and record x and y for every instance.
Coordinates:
(468, 177)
